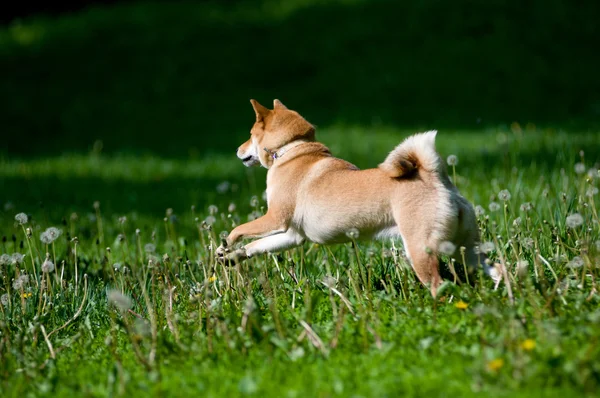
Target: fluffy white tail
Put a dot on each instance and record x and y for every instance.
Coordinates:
(416, 152)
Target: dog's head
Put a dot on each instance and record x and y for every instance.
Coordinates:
(272, 130)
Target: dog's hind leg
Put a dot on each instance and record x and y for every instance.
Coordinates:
(425, 263)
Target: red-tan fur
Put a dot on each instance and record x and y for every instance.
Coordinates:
(314, 196)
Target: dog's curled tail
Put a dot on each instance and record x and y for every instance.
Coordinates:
(416, 152)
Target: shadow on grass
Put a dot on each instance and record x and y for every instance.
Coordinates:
(174, 78)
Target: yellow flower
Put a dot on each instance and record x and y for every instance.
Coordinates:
(461, 305)
(212, 278)
(495, 364)
(528, 344)
(26, 295)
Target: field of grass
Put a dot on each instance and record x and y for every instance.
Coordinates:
(136, 303)
(118, 176)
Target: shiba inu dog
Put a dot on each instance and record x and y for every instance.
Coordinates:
(314, 196)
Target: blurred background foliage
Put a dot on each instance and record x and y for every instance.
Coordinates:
(173, 78)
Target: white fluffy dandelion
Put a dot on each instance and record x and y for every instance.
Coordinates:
(447, 248)
(5, 259)
(223, 187)
(576, 262)
(20, 282)
(210, 220)
(119, 300)
(231, 208)
(149, 248)
(579, 168)
(50, 235)
(4, 299)
(479, 211)
(504, 195)
(452, 160)
(522, 267)
(353, 233)
(16, 258)
(591, 191)
(494, 206)
(528, 243)
(22, 218)
(486, 247)
(526, 207)
(212, 210)
(47, 266)
(574, 220)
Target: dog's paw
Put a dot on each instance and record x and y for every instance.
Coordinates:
(232, 257)
(222, 251)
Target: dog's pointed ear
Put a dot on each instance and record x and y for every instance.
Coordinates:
(278, 105)
(260, 110)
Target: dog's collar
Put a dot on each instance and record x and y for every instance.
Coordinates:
(283, 150)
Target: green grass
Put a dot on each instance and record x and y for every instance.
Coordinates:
(119, 127)
(237, 331)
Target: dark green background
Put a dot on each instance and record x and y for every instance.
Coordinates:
(174, 78)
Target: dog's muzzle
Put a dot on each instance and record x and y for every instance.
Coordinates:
(248, 159)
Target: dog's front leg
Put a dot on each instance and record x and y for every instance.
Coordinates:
(274, 243)
(264, 226)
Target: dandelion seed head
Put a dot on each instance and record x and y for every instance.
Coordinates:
(47, 266)
(452, 160)
(223, 187)
(576, 262)
(522, 267)
(97, 205)
(504, 195)
(591, 191)
(329, 281)
(5, 259)
(593, 173)
(210, 220)
(353, 233)
(16, 258)
(574, 220)
(149, 248)
(20, 282)
(528, 243)
(212, 210)
(479, 211)
(50, 235)
(22, 218)
(122, 220)
(494, 206)
(486, 247)
(447, 248)
(119, 300)
(579, 168)
(231, 208)
(526, 207)
(4, 299)
(254, 201)
(517, 222)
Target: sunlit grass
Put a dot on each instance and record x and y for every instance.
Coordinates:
(118, 303)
